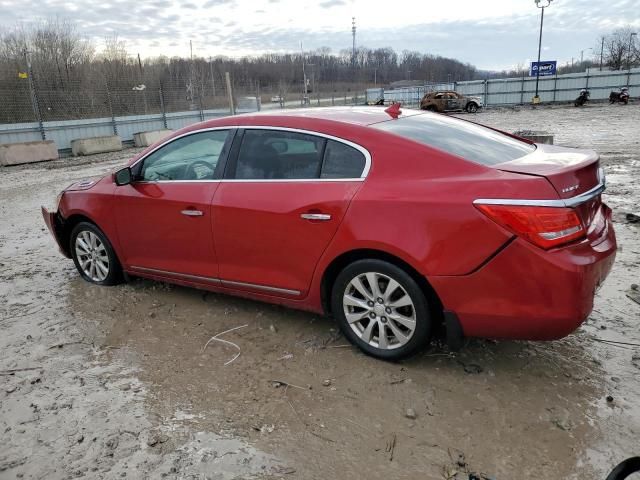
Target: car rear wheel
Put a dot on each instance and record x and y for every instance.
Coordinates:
(94, 256)
(472, 107)
(381, 309)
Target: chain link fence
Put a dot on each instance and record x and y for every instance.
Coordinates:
(29, 100)
(36, 108)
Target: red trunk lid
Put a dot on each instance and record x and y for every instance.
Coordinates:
(570, 171)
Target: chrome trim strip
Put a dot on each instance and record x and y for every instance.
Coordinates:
(138, 182)
(231, 283)
(216, 281)
(290, 180)
(364, 151)
(519, 202)
(566, 202)
(264, 180)
(583, 197)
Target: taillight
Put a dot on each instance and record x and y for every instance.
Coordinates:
(546, 227)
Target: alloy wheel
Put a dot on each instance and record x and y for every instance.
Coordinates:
(92, 256)
(379, 310)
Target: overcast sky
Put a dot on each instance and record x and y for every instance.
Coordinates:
(491, 34)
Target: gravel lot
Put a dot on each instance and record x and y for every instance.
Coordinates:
(113, 382)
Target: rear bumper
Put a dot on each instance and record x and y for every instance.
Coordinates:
(54, 224)
(530, 294)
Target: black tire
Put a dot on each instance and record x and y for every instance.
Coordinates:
(423, 323)
(114, 269)
(431, 108)
(472, 107)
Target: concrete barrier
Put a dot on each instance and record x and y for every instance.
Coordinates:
(144, 139)
(89, 146)
(536, 136)
(27, 152)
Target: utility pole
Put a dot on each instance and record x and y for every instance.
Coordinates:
(35, 103)
(582, 55)
(232, 107)
(313, 77)
(304, 78)
(601, 52)
(213, 81)
(353, 48)
(633, 34)
(536, 98)
(144, 92)
(191, 87)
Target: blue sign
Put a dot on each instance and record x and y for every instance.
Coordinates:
(546, 68)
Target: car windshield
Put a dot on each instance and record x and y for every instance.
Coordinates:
(465, 139)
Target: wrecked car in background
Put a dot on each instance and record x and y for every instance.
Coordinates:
(450, 101)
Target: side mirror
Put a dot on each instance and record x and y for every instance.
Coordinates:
(123, 176)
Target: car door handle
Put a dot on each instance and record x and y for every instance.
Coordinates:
(192, 213)
(316, 216)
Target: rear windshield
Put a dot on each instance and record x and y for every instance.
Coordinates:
(467, 140)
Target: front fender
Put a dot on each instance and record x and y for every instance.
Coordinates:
(94, 205)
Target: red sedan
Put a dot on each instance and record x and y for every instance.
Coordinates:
(394, 222)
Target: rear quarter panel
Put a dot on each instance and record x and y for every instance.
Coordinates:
(417, 204)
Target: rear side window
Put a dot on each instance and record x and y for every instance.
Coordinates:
(342, 161)
(274, 154)
(464, 139)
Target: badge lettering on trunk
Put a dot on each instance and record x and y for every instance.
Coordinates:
(571, 188)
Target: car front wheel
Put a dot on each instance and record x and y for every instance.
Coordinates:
(94, 256)
(472, 107)
(381, 309)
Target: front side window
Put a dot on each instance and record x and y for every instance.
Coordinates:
(193, 157)
(465, 139)
(276, 154)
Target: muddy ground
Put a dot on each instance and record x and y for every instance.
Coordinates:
(100, 382)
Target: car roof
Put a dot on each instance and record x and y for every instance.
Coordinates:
(362, 116)
(323, 119)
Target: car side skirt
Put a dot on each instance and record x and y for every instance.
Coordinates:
(261, 293)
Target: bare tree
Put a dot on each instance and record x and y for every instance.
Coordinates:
(619, 51)
(72, 81)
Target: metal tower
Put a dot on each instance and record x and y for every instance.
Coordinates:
(353, 32)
